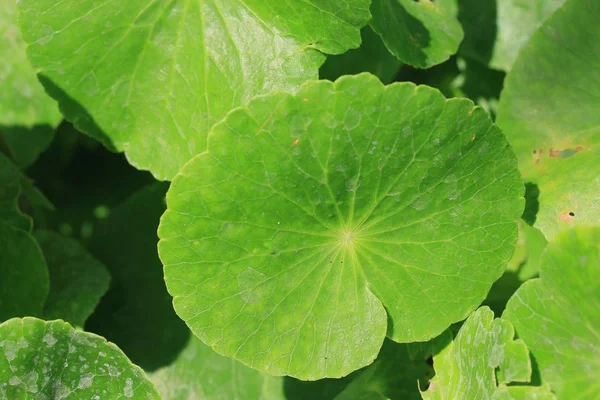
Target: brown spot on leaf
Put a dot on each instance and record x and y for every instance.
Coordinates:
(473, 138)
(566, 153)
(305, 99)
(295, 142)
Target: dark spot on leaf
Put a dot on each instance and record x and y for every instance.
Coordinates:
(572, 214)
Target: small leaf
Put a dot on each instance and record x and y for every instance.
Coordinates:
(549, 112)
(24, 282)
(483, 349)
(557, 314)
(40, 359)
(420, 33)
(155, 76)
(77, 280)
(312, 215)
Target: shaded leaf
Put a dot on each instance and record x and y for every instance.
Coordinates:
(77, 280)
(24, 281)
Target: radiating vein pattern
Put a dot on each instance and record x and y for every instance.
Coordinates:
(155, 75)
(311, 215)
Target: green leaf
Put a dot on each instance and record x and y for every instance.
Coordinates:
(11, 181)
(557, 315)
(44, 360)
(548, 110)
(420, 33)
(137, 312)
(155, 76)
(22, 98)
(200, 373)
(312, 215)
(24, 282)
(495, 30)
(480, 361)
(372, 56)
(77, 280)
(523, 393)
(26, 144)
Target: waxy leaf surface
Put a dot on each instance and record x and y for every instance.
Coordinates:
(51, 360)
(156, 75)
(312, 215)
(549, 112)
(557, 314)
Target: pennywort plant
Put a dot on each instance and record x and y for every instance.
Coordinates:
(265, 199)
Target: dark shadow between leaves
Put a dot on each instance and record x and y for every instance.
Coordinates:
(478, 19)
(532, 203)
(137, 313)
(76, 113)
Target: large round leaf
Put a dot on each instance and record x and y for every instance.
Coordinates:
(557, 315)
(420, 33)
(549, 112)
(51, 360)
(311, 215)
(156, 75)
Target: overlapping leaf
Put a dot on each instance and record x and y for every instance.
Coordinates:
(51, 360)
(372, 56)
(156, 75)
(420, 33)
(481, 361)
(557, 314)
(312, 215)
(549, 112)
